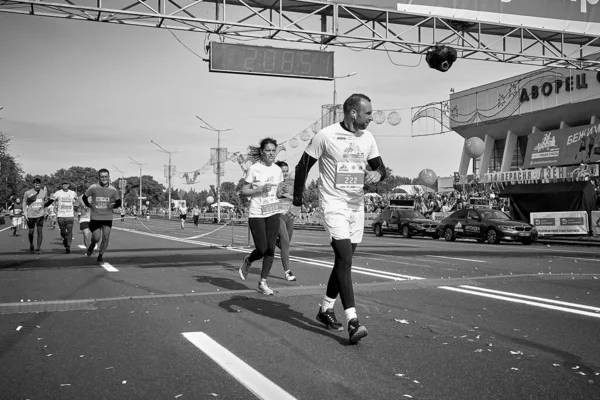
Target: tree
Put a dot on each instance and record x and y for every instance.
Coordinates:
(154, 192)
(11, 174)
(388, 184)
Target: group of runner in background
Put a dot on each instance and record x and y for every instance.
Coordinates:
(93, 210)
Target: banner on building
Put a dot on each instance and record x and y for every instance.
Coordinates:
(544, 174)
(560, 223)
(573, 145)
(596, 223)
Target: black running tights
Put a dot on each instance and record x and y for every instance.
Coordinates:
(340, 280)
(264, 232)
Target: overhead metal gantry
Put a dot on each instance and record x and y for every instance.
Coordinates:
(332, 24)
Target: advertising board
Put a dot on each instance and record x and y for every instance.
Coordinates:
(596, 223)
(560, 223)
(544, 174)
(577, 16)
(579, 144)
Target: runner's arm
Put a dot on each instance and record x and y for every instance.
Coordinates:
(117, 203)
(376, 164)
(302, 170)
(85, 201)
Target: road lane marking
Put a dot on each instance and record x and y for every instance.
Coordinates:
(580, 258)
(253, 380)
(8, 227)
(516, 300)
(522, 296)
(360, 270)
(455, 258)
(108, 267)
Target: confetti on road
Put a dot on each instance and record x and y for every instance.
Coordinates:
(400, 374)
(49, 355)
(178, 396)
(109, 368)
(581, 373)
(478, 351)
(516, 352)
(556, 365)
(515, 369)
(402, 321)
(65, 384)
(214, 395)
(575, 367)
(124, 382)
(19, 328)
(408, 395)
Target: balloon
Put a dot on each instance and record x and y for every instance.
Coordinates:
(428, 177)
(147, 202)
(379, 117)
(393, 118)
(474, 147)
(293, 142)
(210, 200)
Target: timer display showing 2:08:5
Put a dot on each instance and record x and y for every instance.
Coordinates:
(260, 60)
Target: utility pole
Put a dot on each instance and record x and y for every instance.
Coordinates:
(162, 150)
(213, 129)
(335, 94)
(121, 185)
(140, 195)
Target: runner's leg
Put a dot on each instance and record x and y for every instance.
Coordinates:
(105, 238)
(40, 233)
(272, 231)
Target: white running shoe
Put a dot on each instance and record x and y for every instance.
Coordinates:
(289, 276)
(265, 289)
(245, 268)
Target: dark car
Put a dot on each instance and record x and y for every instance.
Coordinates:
(405, 222)
(486, 224)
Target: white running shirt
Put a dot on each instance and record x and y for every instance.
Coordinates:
(343, 157)
(64, 203)
(263, 205)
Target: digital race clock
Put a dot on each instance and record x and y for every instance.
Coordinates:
(262, 60)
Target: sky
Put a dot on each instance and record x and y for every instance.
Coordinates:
(78, 93)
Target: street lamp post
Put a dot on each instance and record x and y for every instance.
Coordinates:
(211, 128)
(140, 195)
(162, 150)
(335, 94)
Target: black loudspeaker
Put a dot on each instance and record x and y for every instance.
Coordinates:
(441, 57)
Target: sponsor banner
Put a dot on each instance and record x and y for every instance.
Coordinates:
(544, 174)
(560, 223)
(573, 145)
(578, 16)
(596, 223)
(438, 216)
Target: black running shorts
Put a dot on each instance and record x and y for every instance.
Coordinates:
(96, 224)
(33, 222)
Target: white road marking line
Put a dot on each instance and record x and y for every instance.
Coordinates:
(253, 380)
(109, 267)
(580, 258)
(83, 247)
(7, 228)
(515, 300)
(455, 258)
(522, 296)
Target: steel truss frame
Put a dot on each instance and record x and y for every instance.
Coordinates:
(332, 24)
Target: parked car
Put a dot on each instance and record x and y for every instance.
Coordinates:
(406, 222)
(486, 224)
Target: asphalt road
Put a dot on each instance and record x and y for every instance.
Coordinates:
(168, 318)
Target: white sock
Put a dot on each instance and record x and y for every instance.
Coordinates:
(350, 313)
(263, 280)
(327, 303)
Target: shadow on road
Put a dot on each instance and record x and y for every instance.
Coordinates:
(281, 312)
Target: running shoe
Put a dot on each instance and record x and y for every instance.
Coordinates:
(99, 259)
(356, 331)
(67, 249)
(328, 318)
(265, 289)
(31, 249)
(245, 268)
(38, 251)
(89, 250)
(289, 276)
